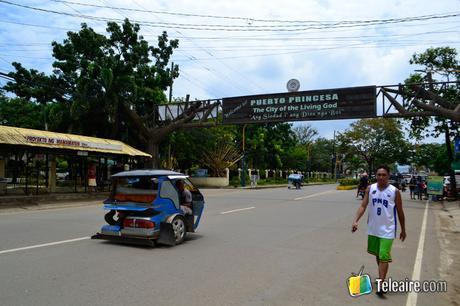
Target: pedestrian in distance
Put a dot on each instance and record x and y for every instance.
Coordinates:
(412, 184)
(384, 201)
(92, 184)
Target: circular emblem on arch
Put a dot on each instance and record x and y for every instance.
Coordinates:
(293, 85)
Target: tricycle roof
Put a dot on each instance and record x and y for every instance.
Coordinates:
(147, 172)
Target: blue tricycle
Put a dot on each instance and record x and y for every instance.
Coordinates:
(144, 208)
(295, 180)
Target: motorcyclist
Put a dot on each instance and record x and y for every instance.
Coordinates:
(363, 183)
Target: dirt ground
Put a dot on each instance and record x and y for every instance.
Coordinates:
(448, 219)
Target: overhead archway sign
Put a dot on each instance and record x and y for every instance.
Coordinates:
(326, 104)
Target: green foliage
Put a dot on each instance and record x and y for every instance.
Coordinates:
(187, 146)
(20, 113)
(432, 156)
(321, 155)
(235, 181)
(296, 157)
(304, 133)
(440, 64)
(348, 182)
(94, 74)
(272, 181)
(374, 141)
(267, 146)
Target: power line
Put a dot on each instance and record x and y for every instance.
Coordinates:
(35, 25)
(248, 28)
(370, 44)
(258, 38)
(9, 78)
(157, 35)
(246, 38)
(208, 69)
(250, 19)
(211, 54)
(352, 46)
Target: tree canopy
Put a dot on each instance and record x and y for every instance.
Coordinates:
(375, 141)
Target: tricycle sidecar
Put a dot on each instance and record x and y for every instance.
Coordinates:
(295, 180)
(144, 208)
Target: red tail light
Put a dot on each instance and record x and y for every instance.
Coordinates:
(128, 223)
(138, 223)
(144, 224)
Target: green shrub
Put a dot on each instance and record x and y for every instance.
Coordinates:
(348, 182)
(272, 181)
(235, 181)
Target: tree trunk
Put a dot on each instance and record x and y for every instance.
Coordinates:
(450, 157)
(153, 148)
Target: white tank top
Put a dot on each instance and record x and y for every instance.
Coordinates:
(381, 220)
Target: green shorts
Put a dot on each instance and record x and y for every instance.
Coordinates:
(380, 247)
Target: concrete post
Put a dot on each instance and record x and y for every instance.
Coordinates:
(52, 174)
(266, 174)
(2, 168)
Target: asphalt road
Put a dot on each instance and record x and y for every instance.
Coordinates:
(253, 247)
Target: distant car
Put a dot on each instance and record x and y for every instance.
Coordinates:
(407, 177)
(147, 203)
(395, 180)
(62, 175)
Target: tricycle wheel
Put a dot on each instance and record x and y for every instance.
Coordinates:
(180, 231)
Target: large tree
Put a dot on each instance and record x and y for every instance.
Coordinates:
(424, 95)
(440, 65)
(432, 156)
(109, 86)
(374, 141)
(267, 145)
(187, 146)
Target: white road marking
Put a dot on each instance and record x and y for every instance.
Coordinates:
(43, 245)
(412, 297)
(315, 194)
(236, 210)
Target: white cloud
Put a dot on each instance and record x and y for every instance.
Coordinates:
(216, 64)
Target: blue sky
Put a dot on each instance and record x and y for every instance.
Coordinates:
(253, 50)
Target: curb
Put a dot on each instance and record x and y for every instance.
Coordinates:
(277, 186)
(37, 201)
(346, 187)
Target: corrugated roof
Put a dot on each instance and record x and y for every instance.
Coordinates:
(38, 138)
(146, 172)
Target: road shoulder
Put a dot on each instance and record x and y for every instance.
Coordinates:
(448, 220)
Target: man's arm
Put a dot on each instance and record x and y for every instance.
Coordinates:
(361, 210)
(400, 211)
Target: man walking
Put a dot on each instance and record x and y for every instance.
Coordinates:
(385, 201)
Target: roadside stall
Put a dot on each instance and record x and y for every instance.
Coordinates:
(37, 162)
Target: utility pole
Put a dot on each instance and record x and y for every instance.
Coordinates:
(172, 81)
(170, 99)
(243, 166)
(333, 158)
